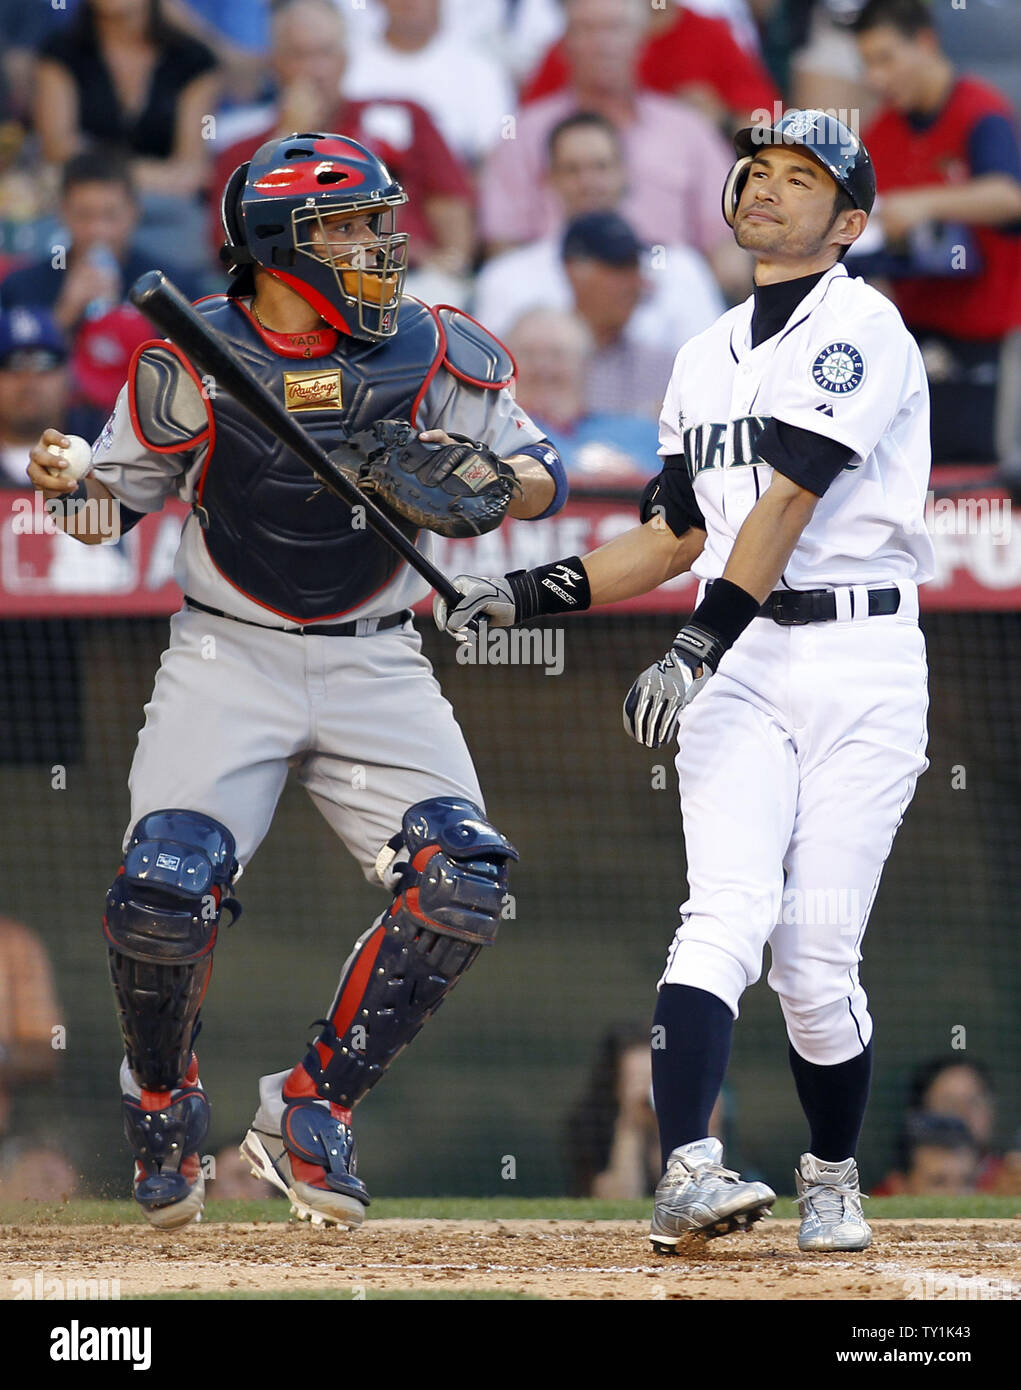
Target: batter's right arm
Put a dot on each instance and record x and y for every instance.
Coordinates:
(633, 563)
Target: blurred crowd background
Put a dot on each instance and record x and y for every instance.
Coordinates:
(564, 161)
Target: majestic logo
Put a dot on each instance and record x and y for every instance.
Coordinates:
(312, 390)
(839, 369)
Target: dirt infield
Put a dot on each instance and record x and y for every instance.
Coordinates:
(547, 1259)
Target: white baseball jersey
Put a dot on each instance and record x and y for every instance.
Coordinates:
(798, 759)
(844, 367)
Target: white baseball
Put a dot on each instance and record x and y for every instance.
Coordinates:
(78, 455)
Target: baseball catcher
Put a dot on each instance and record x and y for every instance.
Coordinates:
(317, 667)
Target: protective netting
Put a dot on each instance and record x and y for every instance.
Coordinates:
(495, 1074)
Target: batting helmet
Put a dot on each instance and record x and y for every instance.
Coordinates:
(830, 143)
(272, 205)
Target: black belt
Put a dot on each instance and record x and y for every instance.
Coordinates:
(795, 608)
(313, 629)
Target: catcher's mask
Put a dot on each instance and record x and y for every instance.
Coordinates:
(829, 141)
(278, 212)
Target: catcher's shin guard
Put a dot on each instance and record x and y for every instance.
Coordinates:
(451, 892)
(162, 915)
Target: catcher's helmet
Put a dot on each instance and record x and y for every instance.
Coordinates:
(272, 205)
(831, 143)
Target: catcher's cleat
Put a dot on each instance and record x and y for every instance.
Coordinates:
(165, 1130)
(830, 1202)
(698, 1196)
(312, 1160)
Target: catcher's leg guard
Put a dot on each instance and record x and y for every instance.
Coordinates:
(452, 887)
(162, 916)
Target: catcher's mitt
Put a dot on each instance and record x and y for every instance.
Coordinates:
(460, 489)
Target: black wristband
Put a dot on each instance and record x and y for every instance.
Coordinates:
(725, 612)
(560, 587)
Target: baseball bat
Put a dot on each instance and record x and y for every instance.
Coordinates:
(162, 302)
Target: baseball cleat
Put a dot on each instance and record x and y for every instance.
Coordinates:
(165, 1130)
(698, 1196)
(315, 1168)
(830, 1202)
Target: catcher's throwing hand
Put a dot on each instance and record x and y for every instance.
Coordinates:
(491, 599)
(654, 703)
(446, 483)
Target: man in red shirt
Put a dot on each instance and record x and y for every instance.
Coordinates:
(948, 171)
(308, 58)
(689, 55)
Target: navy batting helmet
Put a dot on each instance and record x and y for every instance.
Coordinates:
(830, 143)
(273, 210)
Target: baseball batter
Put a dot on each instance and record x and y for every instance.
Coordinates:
(794, 439)
(295, 650)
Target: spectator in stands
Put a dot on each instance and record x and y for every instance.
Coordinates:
(676, 160)
(29, 1012)
(309, 60)
(611, 1132)
(85, 282)
(514, 33)
(34, 386)
(467, 93)
(120, 74)
(587, 172)
(948, 171)
(953, 1085)
(553, 351)
(602, 261)
(939, 1157)
(92, 273)
(684, 54)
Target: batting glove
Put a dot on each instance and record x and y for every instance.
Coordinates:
(490, 599)
(654, 703)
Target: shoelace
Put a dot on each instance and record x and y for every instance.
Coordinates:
(830, 1198)
(678, 1174)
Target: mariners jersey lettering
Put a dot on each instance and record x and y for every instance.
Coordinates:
(843, 366)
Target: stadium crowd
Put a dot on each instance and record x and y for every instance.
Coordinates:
(563, 159)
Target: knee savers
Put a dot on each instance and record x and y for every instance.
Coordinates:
(448, 906)
(162, 915)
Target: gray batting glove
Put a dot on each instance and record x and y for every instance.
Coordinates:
(654, 703)
(490, 599)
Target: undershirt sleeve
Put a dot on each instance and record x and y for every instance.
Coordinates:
(811, 460)
(672, 496)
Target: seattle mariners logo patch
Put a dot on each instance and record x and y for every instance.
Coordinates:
(839, 369)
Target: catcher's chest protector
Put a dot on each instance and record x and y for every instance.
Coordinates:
(269, 528)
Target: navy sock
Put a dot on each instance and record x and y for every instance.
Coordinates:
(834, 1100)
(689, 1066)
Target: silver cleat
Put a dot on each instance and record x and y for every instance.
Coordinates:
(830, 1202)
(697, 1195)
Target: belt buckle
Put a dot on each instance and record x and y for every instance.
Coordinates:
(782, 621)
